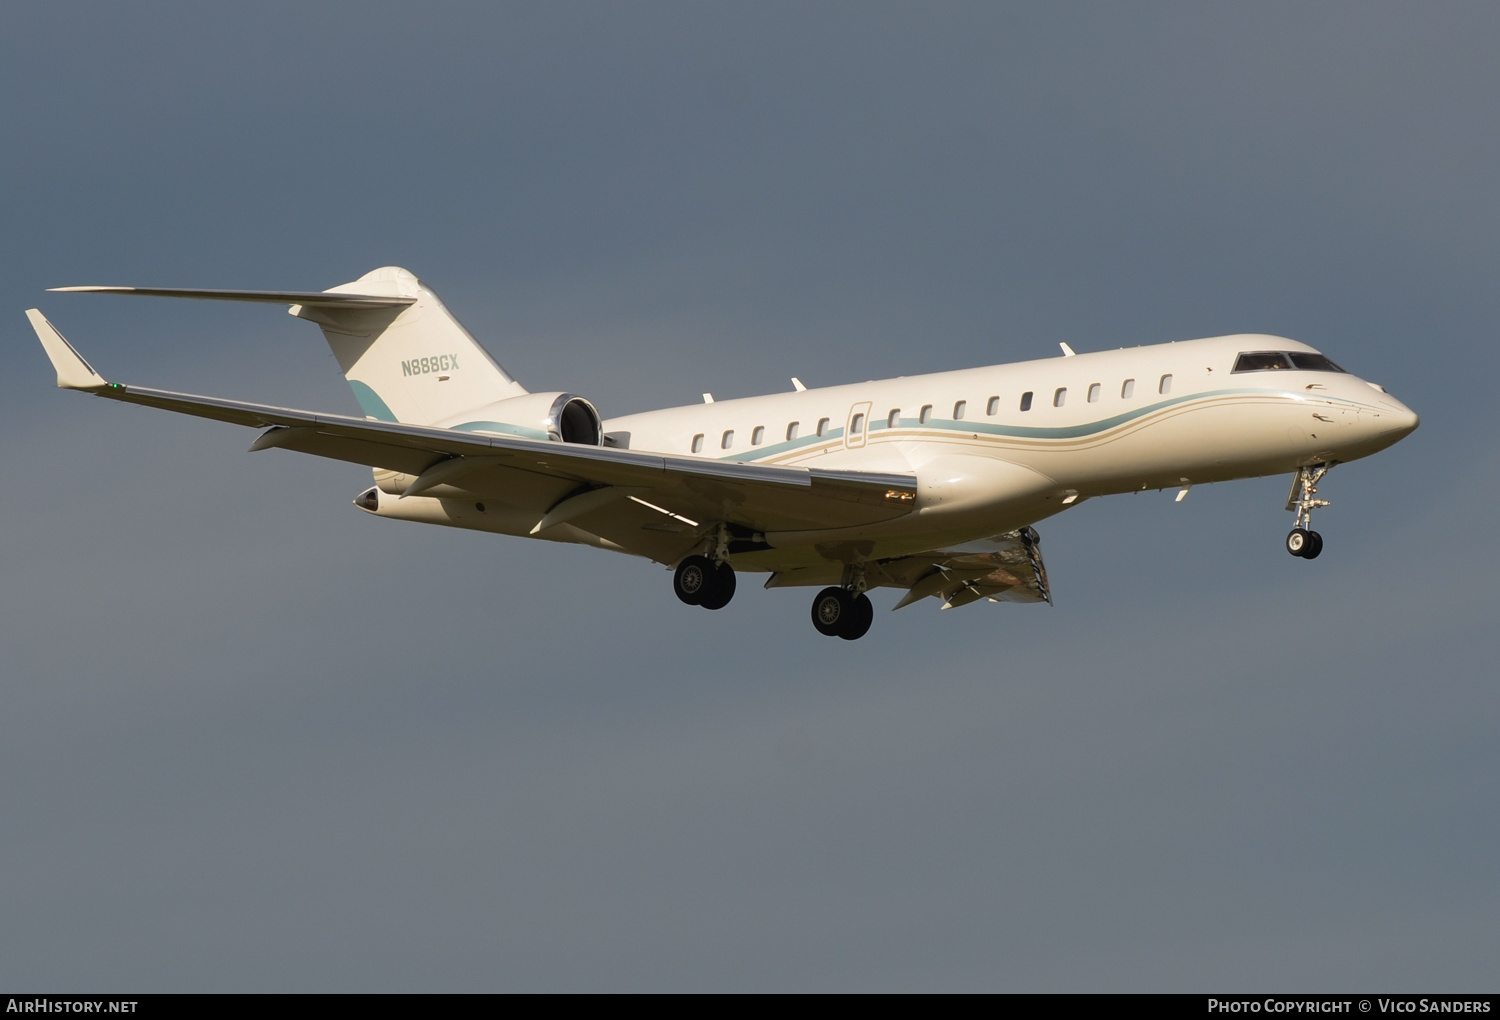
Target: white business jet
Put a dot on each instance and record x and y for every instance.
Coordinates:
(928, 484)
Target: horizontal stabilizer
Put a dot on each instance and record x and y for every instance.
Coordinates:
(73, 373)
(310, 299)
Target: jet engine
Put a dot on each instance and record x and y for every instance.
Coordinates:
(559, 417)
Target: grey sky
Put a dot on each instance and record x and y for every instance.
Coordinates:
(252, 739)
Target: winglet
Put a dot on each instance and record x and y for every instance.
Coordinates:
(73, 373)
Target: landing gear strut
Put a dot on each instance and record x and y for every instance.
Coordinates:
(1303, 541)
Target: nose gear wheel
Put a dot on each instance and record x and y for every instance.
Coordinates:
(1304, 543)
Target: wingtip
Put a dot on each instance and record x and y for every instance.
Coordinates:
(73, 372)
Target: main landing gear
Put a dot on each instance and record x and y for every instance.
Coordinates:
(844, 611)
(708, 580)
(704, 581)
(839, 612)
(1303, 541)
(701, 582)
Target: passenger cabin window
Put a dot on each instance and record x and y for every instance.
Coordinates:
(1060, 397)
(822, 426)
(857, 425)
(926, 415)
(791, 431)
(758, 436)
(1127, 390)
(1166, 384)
(959, 409)
(894, 418)
(698, 443)
(993, 407)
(1094, 393)
(1026, 401)
(728, 439)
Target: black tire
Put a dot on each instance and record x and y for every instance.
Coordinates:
(1314, 546)
(831, 610)
(694, 579)
(721, 590)
(1297, 542)
(861, 615)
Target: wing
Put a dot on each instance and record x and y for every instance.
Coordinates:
(559, 482)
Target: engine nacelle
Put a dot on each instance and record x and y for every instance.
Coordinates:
(558, 417)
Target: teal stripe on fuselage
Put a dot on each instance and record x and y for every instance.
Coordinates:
(1020, 431)
(791, 444)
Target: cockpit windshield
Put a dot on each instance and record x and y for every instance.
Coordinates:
(1312, 362)
(1261, 361)
(1279, 361)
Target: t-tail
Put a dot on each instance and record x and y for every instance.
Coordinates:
(413, 362)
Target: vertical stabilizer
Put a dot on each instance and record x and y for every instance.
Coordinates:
(413, 363)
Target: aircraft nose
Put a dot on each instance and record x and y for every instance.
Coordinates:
(1405, 420)
(1396, 419)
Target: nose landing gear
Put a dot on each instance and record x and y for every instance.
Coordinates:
(1303, 541)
